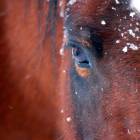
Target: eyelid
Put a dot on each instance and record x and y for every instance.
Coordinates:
(74, 44)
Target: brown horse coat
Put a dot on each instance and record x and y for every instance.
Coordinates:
(89, 94)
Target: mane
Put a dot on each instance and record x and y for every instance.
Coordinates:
(47, 17)
(50, 17)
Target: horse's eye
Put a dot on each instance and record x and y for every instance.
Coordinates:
(80, 57)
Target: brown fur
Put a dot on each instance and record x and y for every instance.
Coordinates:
(35, 90)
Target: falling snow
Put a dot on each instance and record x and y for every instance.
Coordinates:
(135, 4)
(137, 29)
(81, 28)
(117, 2)
(64, 71)
(128, 131)
(103, 22)
(62, 111)
(130, 46)
(61, 51)
(102, 89)
(132, 14)
(122, 34)
(133, 46)
(113, 8)
(117, 41)
(125, 49)
(130, 31)
(71, 2)
(68, 119)
(61, 9)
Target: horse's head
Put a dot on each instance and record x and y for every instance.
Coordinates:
(103, 38)
(90, 91)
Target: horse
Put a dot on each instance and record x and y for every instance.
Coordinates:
(69, 70)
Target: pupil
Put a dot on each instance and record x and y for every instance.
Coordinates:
(76, 52)
(80, 57)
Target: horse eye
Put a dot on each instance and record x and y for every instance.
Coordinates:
(80, 57)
